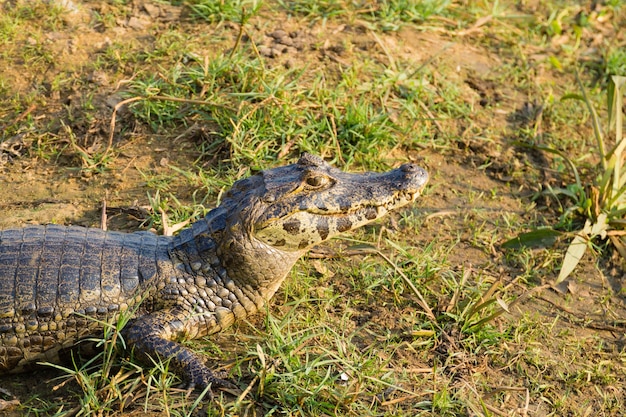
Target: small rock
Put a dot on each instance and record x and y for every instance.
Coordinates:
(170, 13)
(279, 34)
(54, 36)
(265, 51)
(152, 10)
(100, 78)
(113, 100)
(102, 46)
(137, 23)
(285, 41)
(338, 49)
(68, 5)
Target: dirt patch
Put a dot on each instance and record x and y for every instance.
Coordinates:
(75, 65)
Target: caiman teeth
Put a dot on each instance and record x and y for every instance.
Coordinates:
(404, 197)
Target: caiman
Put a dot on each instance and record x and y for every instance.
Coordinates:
(59, 283)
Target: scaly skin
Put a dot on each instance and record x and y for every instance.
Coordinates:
(223, 268)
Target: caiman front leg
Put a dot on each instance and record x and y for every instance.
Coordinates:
(155, 336)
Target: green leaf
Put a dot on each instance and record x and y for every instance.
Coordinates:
(595, 122)
(539, 238)
(572, 96)
(563, 191)
(555, 62)
(574, 253)
(613, 95)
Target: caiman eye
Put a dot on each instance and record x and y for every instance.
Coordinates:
(316, 181)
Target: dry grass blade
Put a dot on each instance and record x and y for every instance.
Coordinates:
(420, 299)
(573, 255)
(595, 121)
(457, 290)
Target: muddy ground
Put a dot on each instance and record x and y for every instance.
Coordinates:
(480, 181)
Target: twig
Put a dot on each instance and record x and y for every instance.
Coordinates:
(525, 410)
(240, 34)
(442, 213)
(430, 115)
(495, 410)
(477, 25)
(392, 62)
(335, 137)
(170, 230)
(103, 215)
(247, 390)
(399, 400)
(21, 116)
(112, 124)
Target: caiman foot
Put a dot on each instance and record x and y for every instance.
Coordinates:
(201, 377)
(9, 404)
(154, 336)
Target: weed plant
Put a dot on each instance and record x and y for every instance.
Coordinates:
(601, 204)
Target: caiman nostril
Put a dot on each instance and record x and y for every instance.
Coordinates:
(410, 168)
(414, 174)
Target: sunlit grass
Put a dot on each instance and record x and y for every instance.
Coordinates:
(422, 314)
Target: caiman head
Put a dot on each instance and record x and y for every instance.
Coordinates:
(277, 215)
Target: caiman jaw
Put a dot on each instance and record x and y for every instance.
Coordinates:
(304, 218)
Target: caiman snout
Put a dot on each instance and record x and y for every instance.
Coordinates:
(306, 212)
(415, 175)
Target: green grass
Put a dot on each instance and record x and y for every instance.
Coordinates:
(215, 12)
(386, 15)
(255, 112)
(110, 381)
